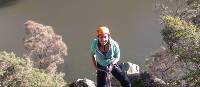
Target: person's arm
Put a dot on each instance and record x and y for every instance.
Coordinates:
(94, 61)
(116, 57)
(116, 54)
(115, 60)
(92, 53)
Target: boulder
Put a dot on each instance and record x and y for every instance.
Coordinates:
(83, 83)
(144, 79)
(130, 68)
(138, 78)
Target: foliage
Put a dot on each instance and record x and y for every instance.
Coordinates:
(181, 23)
(182, 39)
(193, 77)
(46, 49)
(168, 67)
(188, 10)
(19, 72)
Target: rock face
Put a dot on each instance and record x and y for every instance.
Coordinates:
(144, 79)
(83, 83)
(129, 68)
(137, 78)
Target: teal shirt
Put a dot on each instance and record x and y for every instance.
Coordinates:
(106, 59)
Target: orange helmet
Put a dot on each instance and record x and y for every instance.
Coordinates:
(102, 30)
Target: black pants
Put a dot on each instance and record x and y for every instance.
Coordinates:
(102, 76)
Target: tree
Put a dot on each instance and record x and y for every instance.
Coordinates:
(183, 52)
(43, 46)
(168, 67)
(182, 39)
(19, 72)
(180, 23)
(188, 10)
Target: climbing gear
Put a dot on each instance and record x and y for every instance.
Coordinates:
(102, 30)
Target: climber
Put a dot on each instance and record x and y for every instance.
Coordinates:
(105, 53)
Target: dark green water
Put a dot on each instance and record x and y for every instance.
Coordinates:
(133, 24)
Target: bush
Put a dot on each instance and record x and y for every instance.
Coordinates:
(19, 72)
(44, 47)
(182, 39)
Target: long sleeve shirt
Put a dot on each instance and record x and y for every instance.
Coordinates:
(105, 59)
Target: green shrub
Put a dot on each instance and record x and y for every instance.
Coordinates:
(19, 72)
(182, 39)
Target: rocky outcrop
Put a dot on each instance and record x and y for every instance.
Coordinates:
(137, 78)
(144, 79)
(83, 83)
(130, 68)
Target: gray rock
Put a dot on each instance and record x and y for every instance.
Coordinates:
(83, 83)
(130, 68)
(137, 78)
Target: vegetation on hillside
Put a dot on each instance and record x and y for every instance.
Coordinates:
(179, 61)
(19, 72)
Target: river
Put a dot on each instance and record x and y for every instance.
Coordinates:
(133, 25)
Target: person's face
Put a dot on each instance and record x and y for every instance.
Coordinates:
(103, 39)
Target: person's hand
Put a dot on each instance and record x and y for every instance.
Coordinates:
(110, 68)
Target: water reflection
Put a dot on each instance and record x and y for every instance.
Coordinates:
(131, 23)
(5, 3)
